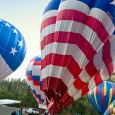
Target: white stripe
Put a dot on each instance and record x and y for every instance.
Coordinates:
(75, 27)
(112, 37)
(66, 49)
(92, 37)
(104, 74)
(67, 78)
(29, 67)
(49, 14)
(98, 61)
(74, 5)
(36, 70)
(72, 90)
(112, 47)
(69, 26)
(5, 74)
(5, 70)
(91, 84)
(84, 76)
(57, 71)
(47, 30)
(47, 71)
(103, 18)
(77, 95)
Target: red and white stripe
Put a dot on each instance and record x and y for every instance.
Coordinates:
(35, 67)
(5, 70)
(105, 57)
(71, 42)
(103, 73)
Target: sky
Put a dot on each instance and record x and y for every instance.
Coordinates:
(26, 16)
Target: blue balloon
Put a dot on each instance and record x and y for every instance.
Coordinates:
(111, 109)
(102, 96)
(12, 48)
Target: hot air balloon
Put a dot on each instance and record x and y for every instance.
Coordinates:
(72, 33)
(111, 109)
(106, 68)
(12, 49)
(102, 68)
(101, 96)
(34, 80)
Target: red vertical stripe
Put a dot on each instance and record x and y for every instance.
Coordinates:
(98, 79)
(102, 96)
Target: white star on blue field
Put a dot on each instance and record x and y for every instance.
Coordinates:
(25, 15)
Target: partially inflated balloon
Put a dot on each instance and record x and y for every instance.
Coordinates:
(102, 68)
(47, 31)
(72, 33)
(34, 79)
(12, 49)
(111, 109)
(102, 95)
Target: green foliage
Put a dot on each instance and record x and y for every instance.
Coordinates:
(80, 107)
(17, 90)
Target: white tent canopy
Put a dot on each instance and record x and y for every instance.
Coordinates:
(42, 106)
(8, 101)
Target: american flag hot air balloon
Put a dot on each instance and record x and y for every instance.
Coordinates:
(73, 36)
(34, 80)
(12, 48)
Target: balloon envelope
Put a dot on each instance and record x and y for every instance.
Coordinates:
(102, 67)
(12, 49)
(70, 38)
(101, 96)
(34, 80)
(111, 109)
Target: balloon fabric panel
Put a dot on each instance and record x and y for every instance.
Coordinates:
(73, 34)
(34, 79)
(102, 97)
(12, 48)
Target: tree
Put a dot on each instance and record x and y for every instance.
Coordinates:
(19, 90)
